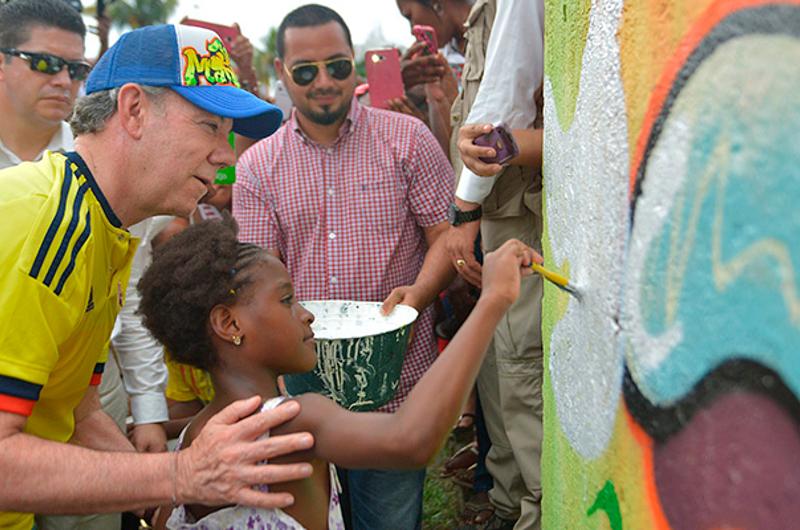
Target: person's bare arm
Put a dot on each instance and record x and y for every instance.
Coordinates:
(174, 427)
(439, 117)
(411, 437)
(241, 52)
(103, 27)
(440, 92)
(530, 147)
(180, 414)
(460, 245)
(440, 95)
(404, 105)
(183, 409)
(43, 476)
(434, 276)
(94, 429)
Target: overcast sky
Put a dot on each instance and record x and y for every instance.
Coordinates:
(257, 17)
(363, 17)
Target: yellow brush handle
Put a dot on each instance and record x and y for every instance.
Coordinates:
(550, 275)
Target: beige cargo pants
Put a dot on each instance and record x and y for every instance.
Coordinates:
(510, 386)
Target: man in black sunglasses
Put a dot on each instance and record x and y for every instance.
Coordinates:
(41, 68)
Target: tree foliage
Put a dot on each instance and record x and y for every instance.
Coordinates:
(137, 13)
(264, 54)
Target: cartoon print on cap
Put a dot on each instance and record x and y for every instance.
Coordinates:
(213, 68)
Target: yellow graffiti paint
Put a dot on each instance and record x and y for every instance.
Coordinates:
(649, 35)
(214, 67)
(570, 495)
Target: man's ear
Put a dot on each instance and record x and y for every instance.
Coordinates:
(132, 107)
(223, 323)
(278, 65)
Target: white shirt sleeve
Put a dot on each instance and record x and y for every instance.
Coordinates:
(140, 356)
(512, 73)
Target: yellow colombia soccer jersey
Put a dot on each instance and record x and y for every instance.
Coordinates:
(187, 383)
(65, 264)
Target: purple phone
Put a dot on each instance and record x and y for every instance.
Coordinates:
(502, 141)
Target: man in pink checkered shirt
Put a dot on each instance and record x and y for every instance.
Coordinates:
(351, 198)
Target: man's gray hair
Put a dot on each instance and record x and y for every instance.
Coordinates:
(91, 112)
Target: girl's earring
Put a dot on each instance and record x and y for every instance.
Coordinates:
(237, 340)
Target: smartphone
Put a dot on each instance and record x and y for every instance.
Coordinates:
(227, 33)
(383, 76)
(501, 139)
(282, 100)
(427, 35)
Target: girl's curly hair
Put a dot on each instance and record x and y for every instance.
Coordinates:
(201, 267)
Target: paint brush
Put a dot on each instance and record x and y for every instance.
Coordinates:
(562, 282)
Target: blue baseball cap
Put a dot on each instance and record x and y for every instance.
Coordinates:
(193, 62)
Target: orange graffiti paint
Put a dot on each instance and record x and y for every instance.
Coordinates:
(704, 24)
(648, 472)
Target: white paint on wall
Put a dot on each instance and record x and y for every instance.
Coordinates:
(666, 173)
(586, 175)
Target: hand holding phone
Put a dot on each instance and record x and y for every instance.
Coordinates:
(426, 35)
(227, 33)
(383, 76)
(502, 141)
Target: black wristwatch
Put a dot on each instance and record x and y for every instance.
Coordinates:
(459, 217)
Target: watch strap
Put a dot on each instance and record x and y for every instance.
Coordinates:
(459, 217)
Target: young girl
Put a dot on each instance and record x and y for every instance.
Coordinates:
(229, 308)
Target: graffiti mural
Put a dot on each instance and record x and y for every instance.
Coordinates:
(672, 389)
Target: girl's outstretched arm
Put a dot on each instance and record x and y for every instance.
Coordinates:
(410, 437)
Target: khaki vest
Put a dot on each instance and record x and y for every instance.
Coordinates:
(517, 188)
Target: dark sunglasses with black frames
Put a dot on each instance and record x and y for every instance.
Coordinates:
(51, 64)
(339, 68)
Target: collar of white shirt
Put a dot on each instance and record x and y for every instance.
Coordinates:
(61, 141)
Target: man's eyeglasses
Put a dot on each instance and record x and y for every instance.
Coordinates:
(51, 64)
(304, 73)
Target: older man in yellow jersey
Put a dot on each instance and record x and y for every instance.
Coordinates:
(150, 136)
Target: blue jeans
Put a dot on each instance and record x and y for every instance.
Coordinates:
(483, 480)
(384, 500)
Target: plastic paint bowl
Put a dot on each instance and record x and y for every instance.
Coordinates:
(359, 353)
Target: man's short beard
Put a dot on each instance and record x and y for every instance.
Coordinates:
(328, 117)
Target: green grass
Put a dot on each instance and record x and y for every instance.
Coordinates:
(442, 499)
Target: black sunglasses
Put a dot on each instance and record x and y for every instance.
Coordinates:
(51, 64)
(304, 73)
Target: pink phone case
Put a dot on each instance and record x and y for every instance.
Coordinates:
(228, 33)
(427, 35)
(383, 76)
